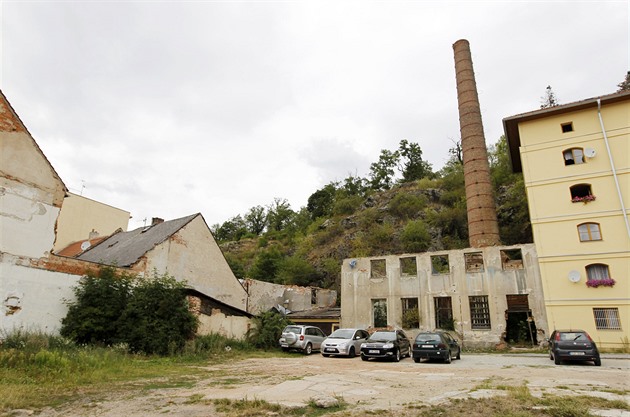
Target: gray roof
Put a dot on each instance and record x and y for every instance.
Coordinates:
(126, 248)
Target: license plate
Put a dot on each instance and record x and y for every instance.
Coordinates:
(329, 350)
(284, 345)
(576, 353)
(427, 346)
(373, 351)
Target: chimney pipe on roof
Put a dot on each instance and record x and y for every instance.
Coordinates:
(156, 220)
(483, 227)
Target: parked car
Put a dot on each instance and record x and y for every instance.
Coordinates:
(436, 345)
(388, 344)
(344, 342)
(304, 338)
(572, 345)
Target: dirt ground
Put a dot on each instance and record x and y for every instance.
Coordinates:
(385, 386)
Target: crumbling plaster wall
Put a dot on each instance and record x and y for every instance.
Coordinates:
(358, 289)
(263, 296)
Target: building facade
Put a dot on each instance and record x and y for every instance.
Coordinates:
(489, 295)
(575, 160)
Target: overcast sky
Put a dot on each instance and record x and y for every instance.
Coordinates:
(169, 108)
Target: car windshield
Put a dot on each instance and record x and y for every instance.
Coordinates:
(573, 336)
(292, 329)
(428, 337)
(385, 336)
(342, 334)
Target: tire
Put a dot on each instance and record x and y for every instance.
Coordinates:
(397, 356)
(448, 357)
(416, 360)
(285, 349)
(308, 349)
(598, 362)
(557, 360)
(364, 358)
(352, 353)
(459, 354)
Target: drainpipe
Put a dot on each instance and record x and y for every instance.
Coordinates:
(612, 166)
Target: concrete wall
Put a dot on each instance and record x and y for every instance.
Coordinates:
(265, 295)
(192, 255)
(359, 287)
(80, 216)
(555, 217)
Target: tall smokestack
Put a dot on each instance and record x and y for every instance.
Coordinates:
(483, 228)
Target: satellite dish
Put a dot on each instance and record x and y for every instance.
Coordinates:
(590, 152)
(574, 276)
(85, 245)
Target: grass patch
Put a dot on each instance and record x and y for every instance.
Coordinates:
(256, 408)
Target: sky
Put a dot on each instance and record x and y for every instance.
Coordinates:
(170, 108)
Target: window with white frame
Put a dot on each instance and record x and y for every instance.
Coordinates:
(607, 318)
(573, 156)
(589, 232)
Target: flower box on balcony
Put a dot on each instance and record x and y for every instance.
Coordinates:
(584, 199)
(594, 283)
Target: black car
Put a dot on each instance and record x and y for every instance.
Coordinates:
(386, 344)
(435, 345)
(573, 345)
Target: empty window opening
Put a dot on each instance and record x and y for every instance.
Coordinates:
(439, 264)
(474, 262)
(378, 268)
(410, 313)
(597, 272)
(512, 259)
(581, 193)
(479, 312)
(607, 318)
(589, 232)
(379, 312)
(444, 313)
(313, 296)
(573, 156)
(408, 266)
(567, 127)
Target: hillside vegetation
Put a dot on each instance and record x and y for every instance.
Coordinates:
(402, 207)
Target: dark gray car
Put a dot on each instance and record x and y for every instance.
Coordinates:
(573, 345)
(435, 345)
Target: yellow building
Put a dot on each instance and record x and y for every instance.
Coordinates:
(575, 160)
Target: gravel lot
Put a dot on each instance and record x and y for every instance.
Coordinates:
(296, 379)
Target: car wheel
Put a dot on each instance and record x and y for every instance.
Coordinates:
(352, 354)
(308, 349)
(459, 354)
(397, 356)
(285, 349)
(598, 361)
(557, 360)
(416, 360)
(364, 358)
(448, 358)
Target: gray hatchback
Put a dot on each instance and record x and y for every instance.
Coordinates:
(344, 342)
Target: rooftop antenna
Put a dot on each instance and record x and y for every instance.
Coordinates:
(144, 222)
(82, 187)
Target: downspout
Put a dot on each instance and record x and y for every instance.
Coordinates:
(612, 166)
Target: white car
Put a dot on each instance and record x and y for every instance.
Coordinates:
(344, 342)
(304, 338)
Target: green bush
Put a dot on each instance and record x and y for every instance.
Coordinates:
(407, 206)
(266, 329)
(415, 237)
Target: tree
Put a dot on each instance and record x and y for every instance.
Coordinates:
(279, 214)
(233, 229)
(549, 99)
(266, 329)
(382, 172)
(266, 264)
(412, 166)
(625, 84)
(100, 298)
(256, 220)
(295, 270)
(320, 203)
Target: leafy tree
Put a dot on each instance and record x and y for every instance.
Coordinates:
(157, 318)
(266, 329)
(297, 271)
(266, 264)
(413, 167)
(549, 99)
(93, 318)
(407, 206)
(625, 84)
(279, 214)
(382, 172)
(320, 203)
(233, 229)
(354, 186)
(256, 220)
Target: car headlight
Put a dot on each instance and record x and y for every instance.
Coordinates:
(343, 345)
(388, 345)
(363, 345)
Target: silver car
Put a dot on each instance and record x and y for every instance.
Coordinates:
(304, 338)
(344, 342)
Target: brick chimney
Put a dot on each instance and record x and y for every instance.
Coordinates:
(156, 220)
(483, 227)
